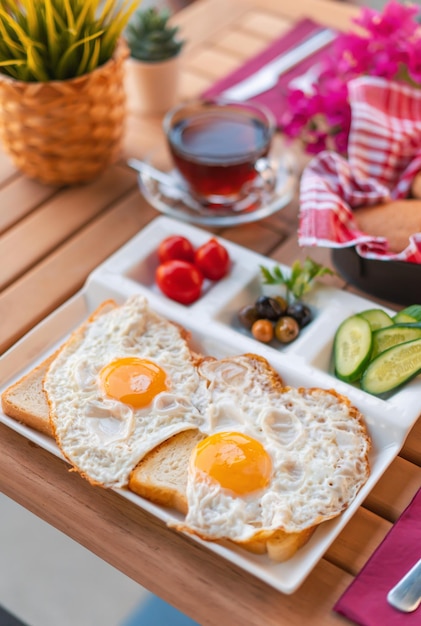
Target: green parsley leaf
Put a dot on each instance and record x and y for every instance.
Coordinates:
(299, 280)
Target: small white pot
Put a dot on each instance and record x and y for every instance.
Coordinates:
(152, 87)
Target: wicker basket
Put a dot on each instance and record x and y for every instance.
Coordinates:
(65, 132)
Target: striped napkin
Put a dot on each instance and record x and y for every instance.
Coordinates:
(364, 602)
(384, 154)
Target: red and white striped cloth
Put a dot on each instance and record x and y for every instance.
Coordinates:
(384, 155)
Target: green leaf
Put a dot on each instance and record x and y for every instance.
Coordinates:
(300, 279)
(70, 19)
(275, 277)
(15, 28)
(13, 62)
(68, 62)
(32, 18)
(34, 65)
(94, 60)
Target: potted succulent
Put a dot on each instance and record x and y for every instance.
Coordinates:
(62, 96)
(152, 71)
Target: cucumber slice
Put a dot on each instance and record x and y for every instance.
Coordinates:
(385, 338)
(352, 348)
(377, 318)
(413, 310)
(392, 368)
(403, 318)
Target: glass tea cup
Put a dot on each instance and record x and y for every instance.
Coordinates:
(220, 148)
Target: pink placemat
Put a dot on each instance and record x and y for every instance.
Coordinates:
(276, 98)
(364, 602)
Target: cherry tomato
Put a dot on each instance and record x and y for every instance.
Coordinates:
(179, 280)
(175, 247)
(212, 259)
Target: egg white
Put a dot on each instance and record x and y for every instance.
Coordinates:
(102, 437)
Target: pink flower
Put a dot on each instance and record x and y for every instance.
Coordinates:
(390, 47)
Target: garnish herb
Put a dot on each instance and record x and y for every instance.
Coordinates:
(299, 280)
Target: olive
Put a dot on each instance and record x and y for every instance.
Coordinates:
(248, 315)
(300, 312)
(283, 303)
(268, 308)
(286, 329)
(262, 330)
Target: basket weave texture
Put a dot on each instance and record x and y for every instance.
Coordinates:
(65, 132)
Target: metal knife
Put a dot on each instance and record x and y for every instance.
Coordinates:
(406, 595)
(267, 77)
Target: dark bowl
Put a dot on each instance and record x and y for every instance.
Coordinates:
(395, 281)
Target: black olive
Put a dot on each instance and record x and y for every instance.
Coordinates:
(268, 308)
(300, 312)
(248, 315)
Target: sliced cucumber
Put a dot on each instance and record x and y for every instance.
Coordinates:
(403, 318)
(392, 368)
(413, 310)
(385, 338)
(352, 348)
(377, 318)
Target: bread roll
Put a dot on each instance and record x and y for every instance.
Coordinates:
(396, 221)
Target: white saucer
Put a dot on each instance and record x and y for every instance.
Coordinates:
(173, 199)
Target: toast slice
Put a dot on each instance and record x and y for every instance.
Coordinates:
(161, 476)
(26, 400)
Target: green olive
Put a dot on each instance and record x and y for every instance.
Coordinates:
(286, 329)
(262, 330)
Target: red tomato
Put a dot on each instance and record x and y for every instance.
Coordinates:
(179, 280)
(212, 259)
(175, 247)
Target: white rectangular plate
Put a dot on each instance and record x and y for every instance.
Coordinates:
(212, 321)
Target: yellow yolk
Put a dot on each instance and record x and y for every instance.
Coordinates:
(133, 381)
(237, 462)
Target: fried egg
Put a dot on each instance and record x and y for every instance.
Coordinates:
(273, 459)
(125, 382)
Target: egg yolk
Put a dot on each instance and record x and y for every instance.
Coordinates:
(237, 462)
(133, 381)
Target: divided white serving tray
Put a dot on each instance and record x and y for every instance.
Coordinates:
(212, 320)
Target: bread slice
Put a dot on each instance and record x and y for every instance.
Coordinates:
(161, 476)
(26, 400)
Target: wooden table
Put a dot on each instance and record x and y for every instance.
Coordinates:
(51, 239)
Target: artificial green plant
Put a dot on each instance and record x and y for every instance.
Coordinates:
(43, 40)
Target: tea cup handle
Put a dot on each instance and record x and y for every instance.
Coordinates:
(267, 172)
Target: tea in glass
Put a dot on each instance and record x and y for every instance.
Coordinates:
(215, 147)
